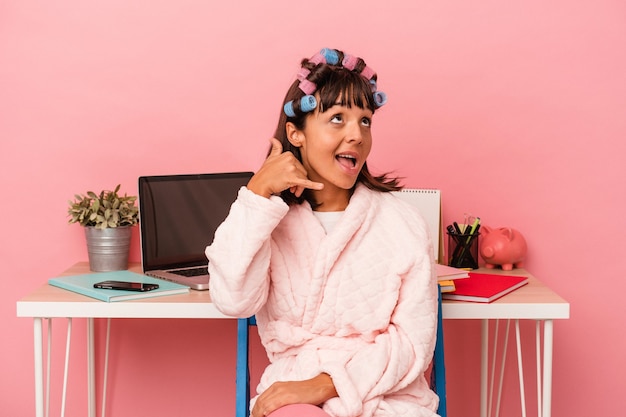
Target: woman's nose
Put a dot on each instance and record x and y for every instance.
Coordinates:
(354, 132)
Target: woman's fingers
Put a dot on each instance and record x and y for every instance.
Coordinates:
(279, 172)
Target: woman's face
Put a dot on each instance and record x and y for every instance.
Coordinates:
(335, 144)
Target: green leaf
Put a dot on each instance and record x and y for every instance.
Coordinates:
(103, 210)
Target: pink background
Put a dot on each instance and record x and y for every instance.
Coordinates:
(515, 110)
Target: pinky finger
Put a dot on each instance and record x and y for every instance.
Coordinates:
(297, 190)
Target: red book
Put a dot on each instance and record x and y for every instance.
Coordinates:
(484, 288)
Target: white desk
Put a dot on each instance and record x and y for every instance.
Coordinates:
(534, 301)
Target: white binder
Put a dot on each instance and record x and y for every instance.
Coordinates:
(428, 202)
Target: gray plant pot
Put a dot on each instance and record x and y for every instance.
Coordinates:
(108, 248)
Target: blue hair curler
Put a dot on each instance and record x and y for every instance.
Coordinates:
(288, 109)
(307, 103)
(331, 56)
(380, 98)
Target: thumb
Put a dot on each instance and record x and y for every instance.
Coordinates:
(277, 147)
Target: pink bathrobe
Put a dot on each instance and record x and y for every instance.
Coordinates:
(359, 304)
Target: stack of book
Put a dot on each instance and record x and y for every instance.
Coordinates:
(462, 285)
(446, 275)
(484, 287)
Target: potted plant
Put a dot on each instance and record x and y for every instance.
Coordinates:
(107, 219)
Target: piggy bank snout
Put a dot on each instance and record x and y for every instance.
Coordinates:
(487, 251)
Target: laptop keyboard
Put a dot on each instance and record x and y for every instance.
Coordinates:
(192, 272)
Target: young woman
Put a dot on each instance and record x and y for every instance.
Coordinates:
(338, 271)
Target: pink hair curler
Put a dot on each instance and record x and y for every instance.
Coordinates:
(349, 61)
(318, 58)
(368, 73)
(307, 86)
(302, 74)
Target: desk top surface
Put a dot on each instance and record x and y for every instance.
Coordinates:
(532, 301)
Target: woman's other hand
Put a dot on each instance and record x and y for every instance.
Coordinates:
(314, 391)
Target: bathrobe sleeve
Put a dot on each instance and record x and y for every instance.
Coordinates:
(239, 256)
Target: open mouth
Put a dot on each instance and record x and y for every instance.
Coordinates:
(348, 161)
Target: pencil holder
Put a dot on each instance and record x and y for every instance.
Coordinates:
(463, 250)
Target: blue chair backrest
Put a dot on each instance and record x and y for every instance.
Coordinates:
(438, 372)
(242, 390)
(242, 408)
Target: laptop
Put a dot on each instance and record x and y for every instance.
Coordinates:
(178, 216)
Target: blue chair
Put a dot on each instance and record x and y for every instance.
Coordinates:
(438, 371)
(242, 381)
(242, 408)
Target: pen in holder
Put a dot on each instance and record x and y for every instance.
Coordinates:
(463, 249)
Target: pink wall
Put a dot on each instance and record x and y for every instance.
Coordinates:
(515, 110)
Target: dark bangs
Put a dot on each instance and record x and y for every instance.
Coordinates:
(346, 88)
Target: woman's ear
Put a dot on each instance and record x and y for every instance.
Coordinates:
(294, 136)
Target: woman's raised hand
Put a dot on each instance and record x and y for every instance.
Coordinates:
(281, 171)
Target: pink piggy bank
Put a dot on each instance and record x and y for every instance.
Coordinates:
(502, 246)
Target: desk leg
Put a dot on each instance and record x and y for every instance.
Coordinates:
(484, 359)
(38, 333)
(520, 368)
(548, 333)
(91, 369)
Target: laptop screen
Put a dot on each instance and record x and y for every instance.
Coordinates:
(178, 216)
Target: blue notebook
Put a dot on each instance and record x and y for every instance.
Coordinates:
(83, 284)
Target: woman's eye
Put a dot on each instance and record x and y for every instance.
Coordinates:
(336, 119)
(366, 121)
